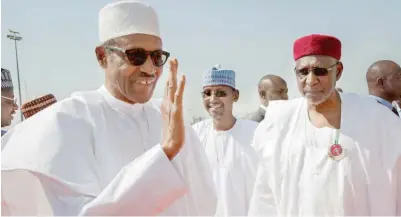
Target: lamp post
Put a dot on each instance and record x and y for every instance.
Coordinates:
(15, 36)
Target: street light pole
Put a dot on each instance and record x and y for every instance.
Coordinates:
(15, 36)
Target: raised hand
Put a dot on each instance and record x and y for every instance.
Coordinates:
(172, 111)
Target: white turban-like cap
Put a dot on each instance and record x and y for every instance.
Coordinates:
(125, 18)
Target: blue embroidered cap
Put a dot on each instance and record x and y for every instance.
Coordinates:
(219, 76)
(6, 81)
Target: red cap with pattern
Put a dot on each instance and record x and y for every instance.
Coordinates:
(34, 106)
(317, 45)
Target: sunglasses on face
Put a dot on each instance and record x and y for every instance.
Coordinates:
(14, 100)
(217, 93)
(318, 71)
(138, 56)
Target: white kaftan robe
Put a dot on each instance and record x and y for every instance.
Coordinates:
(92, 154)
(297, 178)
(233, 162)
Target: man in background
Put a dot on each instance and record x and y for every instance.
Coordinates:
(227, 143)
(270, 87)
(326, 154)
(384, 83)
(8, 101)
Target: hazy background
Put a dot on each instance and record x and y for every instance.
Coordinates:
(253, 37)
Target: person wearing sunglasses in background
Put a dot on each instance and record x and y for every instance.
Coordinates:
(327, 154)
(384, 83)
(227, 143)
(270, 88)
(112, 151)
(8, 102)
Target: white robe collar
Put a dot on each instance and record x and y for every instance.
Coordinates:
(124, 107)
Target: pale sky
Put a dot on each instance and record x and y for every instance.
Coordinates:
(252, 37)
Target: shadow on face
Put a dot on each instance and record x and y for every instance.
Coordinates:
(317, 77)
(218, 100)
(8, 107)
(125, 81)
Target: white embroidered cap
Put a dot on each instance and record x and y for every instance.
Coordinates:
(125, 18)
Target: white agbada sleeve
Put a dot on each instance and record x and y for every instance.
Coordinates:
(146, 186)
(397, 174)
(262, 201)
(54, 154)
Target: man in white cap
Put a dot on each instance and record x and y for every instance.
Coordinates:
(8, 101)
(112, 151)
(327, 154)
(227, 142)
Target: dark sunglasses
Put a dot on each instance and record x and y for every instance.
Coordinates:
(138, 56)
(217, 93)
(318, 71)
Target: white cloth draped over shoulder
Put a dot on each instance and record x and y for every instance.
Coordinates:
(233, 162)
(92, 154)
(296, 177)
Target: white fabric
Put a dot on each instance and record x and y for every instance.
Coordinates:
(297, 178)
(398, 108)
(125, 18)
(92, 154)
(234, 164)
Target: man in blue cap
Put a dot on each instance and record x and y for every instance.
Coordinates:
(8, 102)
(227, 142)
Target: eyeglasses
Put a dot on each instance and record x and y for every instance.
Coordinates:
(138, 56)
(14, 100)
(217, 93)
(318, 71)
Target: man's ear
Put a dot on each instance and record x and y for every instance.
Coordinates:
(101, 56)
(380, 82)
(340, 68)
(236, 95)
(262, 94)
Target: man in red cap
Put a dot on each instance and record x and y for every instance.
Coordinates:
(325, 154)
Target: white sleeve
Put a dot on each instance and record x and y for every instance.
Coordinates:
(146, 186)
(192, 163)
(263, 202)
(397, 175)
